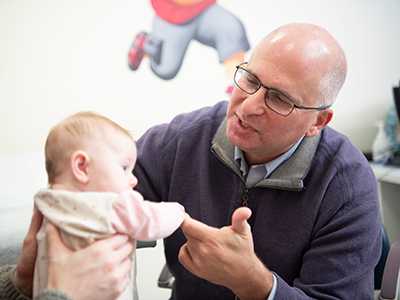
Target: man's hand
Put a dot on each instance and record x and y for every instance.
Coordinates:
(23, 275)
(226, 256)
(99, 271)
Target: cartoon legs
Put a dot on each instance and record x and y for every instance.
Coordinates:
(167, 44)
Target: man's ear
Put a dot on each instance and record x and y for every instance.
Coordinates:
(79, 165)
(323, 119)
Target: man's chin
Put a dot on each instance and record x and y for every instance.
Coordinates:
(236, 139)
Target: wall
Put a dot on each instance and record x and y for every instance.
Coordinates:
(59, 57)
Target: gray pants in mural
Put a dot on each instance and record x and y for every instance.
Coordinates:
(214, 27)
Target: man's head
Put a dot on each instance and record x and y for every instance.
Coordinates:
(89, 152)
(302, 62)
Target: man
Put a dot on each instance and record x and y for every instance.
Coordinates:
(312, 225)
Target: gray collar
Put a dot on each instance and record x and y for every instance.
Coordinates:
(289, 175)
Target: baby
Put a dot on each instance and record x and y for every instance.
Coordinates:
(89, 162)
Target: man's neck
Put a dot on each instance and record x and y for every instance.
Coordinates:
(253, 160)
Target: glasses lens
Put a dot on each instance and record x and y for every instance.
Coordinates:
(246, 81)
(278, 102)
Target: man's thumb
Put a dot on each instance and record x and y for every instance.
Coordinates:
(239, 220)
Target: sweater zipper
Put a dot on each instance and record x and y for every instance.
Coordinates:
(246, 197)
(247, 192)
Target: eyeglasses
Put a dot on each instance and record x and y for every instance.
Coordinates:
(275, 100)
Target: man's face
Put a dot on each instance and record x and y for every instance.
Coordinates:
(260, 132)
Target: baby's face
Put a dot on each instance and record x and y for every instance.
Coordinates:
(112, 163)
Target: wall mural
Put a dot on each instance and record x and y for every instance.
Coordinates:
(176, 23)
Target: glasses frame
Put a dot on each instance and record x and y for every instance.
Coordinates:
(260, 84)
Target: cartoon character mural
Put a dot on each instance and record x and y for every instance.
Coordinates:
(176, 23)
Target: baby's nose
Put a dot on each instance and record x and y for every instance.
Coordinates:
(133, 181)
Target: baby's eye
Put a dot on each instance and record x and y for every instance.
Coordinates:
(124, 167)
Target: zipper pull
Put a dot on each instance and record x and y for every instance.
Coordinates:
(246, 197)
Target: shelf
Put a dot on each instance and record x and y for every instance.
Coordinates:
(386, 173)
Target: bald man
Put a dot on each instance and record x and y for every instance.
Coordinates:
(280, 205)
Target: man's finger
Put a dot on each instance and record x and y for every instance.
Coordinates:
(239, 220)
(185, 259)
(196, 229)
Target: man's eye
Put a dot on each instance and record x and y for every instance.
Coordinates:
(279, 99)
(251, 80)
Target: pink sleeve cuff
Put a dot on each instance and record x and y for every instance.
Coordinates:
(145, 220)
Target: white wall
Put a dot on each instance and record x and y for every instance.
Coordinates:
(59, 57)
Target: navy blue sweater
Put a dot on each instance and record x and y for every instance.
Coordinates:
(315, 221)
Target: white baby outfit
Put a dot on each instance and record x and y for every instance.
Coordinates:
(85, 217)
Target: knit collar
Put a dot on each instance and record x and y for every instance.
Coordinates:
(289, 175)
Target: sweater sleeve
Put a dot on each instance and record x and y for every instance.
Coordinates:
(345, 244)
(8, 288)
(145, 220)
(52, 295)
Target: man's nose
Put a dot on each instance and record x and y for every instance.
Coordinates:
(254, 104)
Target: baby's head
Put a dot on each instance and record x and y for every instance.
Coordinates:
(89, 152)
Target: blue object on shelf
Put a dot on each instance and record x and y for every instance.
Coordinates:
(390, 129)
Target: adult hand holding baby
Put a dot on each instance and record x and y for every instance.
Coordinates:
(23, 275)
(99, 271)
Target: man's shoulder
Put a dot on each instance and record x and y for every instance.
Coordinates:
(200, 116)
(203, 121)
(337, 147)
(338, 142)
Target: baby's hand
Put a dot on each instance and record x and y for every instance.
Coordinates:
(187, 217)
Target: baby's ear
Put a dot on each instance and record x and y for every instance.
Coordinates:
(79, 166)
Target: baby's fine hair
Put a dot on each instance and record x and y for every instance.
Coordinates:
(70, 135)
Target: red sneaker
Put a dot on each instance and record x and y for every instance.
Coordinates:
(136, 53)
(229, 89)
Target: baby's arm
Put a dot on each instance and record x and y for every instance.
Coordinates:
(145, 220)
